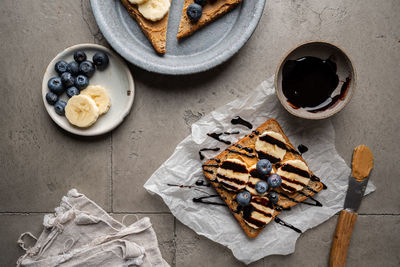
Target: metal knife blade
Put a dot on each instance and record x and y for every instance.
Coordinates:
(354, 195)
(362, 165)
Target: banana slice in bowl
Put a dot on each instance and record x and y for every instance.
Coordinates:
(100, 97)
(81, 111)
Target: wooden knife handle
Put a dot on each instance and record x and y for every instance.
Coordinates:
(341, 240)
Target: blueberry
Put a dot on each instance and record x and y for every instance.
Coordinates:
(274, 180)
(81, 82)
(243, 198)
(73, 68)
(59, 107)
(101, 60)
(201, 2)
(61, 67)
(273, 197)
(264, 167)
(194, 12)
(51, 98)
(261, 186)
(79, 56)
(72, 91)
(87, 68)
(67, 79)
(55, 85)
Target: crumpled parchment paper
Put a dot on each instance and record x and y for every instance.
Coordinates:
(216, 222)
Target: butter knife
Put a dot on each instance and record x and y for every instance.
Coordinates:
(362, 164)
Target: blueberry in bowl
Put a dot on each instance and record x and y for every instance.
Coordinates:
(73, 68)
(55, 85)
(59, 107)
(51, 98)
(87, 68)
(101, 60)
(67, 79)
(60, 67)
(79, 56)
(81, 82)
(71, 91)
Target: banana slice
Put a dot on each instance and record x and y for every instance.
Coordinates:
(154, 10)
(137, 2)
(100, 97)
(81, 111)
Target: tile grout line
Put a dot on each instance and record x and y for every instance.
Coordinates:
(111, 173)
(163, 213)
(46, 212)
(174, 244)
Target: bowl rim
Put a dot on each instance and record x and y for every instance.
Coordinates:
(323, 115)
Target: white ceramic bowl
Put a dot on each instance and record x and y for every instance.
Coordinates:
(116, 79)
(321, 50)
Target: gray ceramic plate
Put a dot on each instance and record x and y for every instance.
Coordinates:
(206, 48)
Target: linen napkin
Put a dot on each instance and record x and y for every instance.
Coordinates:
(80, 233)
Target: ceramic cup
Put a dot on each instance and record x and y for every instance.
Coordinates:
(345, 70)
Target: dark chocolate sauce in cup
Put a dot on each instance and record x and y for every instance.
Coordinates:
(309, 81)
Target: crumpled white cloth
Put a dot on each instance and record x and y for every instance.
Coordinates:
(80, 233)
(217, 222)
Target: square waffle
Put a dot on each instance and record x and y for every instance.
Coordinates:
(233, 170)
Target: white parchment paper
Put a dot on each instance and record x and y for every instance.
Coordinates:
(217, 222)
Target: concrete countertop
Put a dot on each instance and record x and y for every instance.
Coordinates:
(40, 162)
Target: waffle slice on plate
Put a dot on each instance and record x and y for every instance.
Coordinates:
(234, 171)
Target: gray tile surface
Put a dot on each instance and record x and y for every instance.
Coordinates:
(11, 226)
(372, 236)
(39, 162)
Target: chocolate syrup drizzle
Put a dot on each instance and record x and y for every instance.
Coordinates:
(241, 153)
(216, 160)
(317, 203)
(302, 149)
(201, 200)
(239, 120)
(216, 136)
(210, 165)
(283, 223)
(207, 149)
(278, 143)
(247, 149)
(234, 132)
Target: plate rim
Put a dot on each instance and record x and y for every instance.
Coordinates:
(125, 112)
(177, 70)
